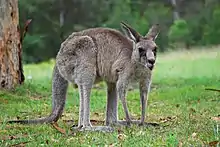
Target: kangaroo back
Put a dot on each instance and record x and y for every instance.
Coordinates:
(107, 50)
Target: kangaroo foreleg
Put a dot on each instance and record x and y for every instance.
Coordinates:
(121, 93)
(144, 87)
(112, 107)
(144, 92)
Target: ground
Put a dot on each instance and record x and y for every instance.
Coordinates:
(178, 102)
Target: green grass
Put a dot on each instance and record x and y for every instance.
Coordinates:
(178, 102)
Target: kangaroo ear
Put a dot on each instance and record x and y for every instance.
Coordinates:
(130, 32)
(153, 32)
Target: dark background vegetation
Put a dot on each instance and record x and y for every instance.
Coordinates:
(184, 24)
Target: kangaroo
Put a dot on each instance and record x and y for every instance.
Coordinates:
(102, 54)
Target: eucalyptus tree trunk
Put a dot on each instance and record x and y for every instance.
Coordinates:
(10, 45)
(176, 15)
(62, 12)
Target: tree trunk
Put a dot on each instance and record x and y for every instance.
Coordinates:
(62, 12)
(10, 46)
(176, 15)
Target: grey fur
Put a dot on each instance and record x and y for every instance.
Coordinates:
(105, 54)
(97, 54)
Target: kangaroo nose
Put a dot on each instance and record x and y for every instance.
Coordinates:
(151, 61)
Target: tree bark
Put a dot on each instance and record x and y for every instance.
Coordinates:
(62, 12)
(11, 73)
(176, 15)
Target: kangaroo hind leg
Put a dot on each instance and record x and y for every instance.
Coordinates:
(84, 116)
(112, 105)
(77, 60)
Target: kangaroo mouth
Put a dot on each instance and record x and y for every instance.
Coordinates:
(150, 66)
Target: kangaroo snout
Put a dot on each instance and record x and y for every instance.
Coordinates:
(150, 63)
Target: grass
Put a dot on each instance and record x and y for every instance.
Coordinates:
(178, 102)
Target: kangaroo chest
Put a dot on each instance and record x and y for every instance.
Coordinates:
(140, 73)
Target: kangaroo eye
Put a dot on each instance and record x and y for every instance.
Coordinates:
(155, 52)
(155, 49)
(141, 50)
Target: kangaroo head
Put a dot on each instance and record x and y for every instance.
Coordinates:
(144, 47)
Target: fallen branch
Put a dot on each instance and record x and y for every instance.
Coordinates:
(211, 89)
(56, 126)
(216, 119)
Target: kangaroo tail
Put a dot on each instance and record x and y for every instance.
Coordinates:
(59, 89)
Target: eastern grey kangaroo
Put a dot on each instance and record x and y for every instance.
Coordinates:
(97, 54)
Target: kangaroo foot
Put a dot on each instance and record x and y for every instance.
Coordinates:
(135, 122)
(97, 128)
(121, 123)
(140, 123)
(92, 128)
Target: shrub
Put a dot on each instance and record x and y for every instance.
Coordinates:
(179, 32)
